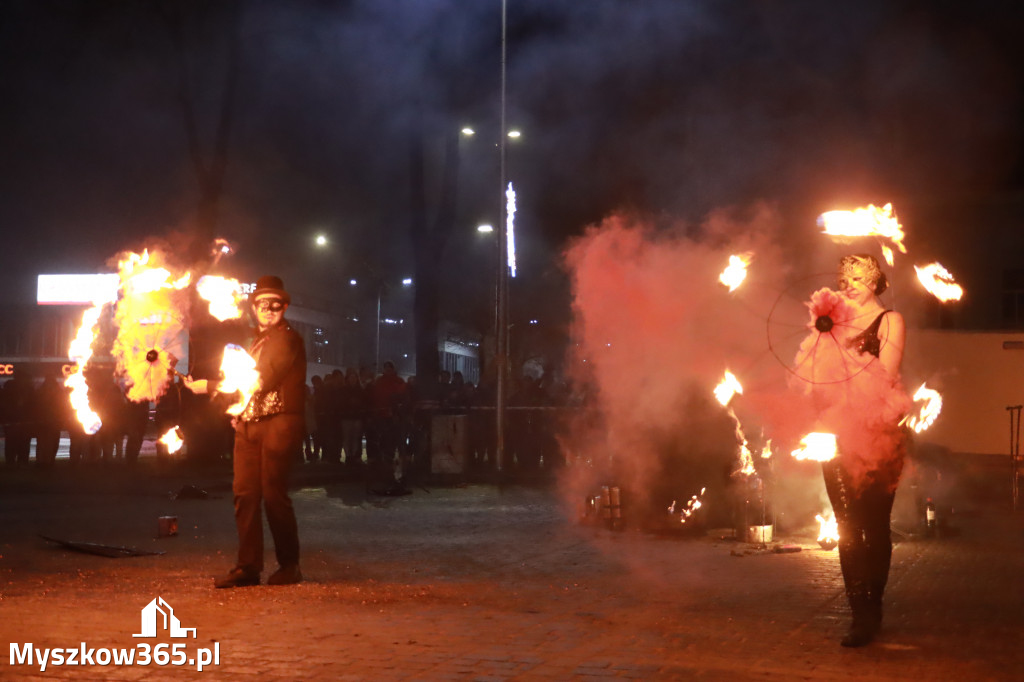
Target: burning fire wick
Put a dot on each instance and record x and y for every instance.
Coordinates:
(817, 447)
(173, 440)
(939, 282)
(869, 221)
(736, 271)
(828, 531)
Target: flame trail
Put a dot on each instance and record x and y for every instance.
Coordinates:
(724, 392)
(80, 352)
(868, 221)
(939, 282)
(736, 271)
(929, 412)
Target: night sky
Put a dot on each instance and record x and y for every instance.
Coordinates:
(668, 107)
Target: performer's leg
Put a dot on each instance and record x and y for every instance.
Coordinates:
(246, 487)
(283, 434)
(853, 559)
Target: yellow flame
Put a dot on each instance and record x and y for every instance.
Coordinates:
(727, 388)
(80, 352)
(239, 370)
(817, 447)
(223, 295)
(736, 271)
(939, 282)
(692, 505)
(929, 411)
(172, 439)
(766, 451)
(867, 221)
(828, 528)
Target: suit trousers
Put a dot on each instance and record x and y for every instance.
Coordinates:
(262, 460)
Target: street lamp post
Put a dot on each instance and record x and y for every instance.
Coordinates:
(501, 304)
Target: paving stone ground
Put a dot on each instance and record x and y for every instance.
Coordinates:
(484, 582)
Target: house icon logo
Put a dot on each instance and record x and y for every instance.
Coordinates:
(157, 615)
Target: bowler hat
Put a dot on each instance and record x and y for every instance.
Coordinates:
(269, 285)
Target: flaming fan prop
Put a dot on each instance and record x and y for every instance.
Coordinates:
(150, 312)
(150, 317)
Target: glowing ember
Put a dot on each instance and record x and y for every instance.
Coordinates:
(173, 440)
(929, 411)
(828, 531)
(239, 370)
(869, 221)
(727, 388)
(736, 271)
(939, 282)
(224, 296)
(817, 447)
(80, 352)
(685, 512)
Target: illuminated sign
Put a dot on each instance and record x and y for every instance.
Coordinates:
(76, 289)
(88, 289)
(6, 369)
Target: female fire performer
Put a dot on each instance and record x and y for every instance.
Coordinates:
(865, 411)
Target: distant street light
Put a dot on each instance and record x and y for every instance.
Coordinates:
(514, 134)
(468, 132)
(321, 240)
(485, 229)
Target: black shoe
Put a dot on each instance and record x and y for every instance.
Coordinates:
(237, 577)
(862, 633)
(286, 575)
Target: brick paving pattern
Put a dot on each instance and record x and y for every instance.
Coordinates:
(487, 582)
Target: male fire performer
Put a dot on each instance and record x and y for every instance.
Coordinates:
(268, 433)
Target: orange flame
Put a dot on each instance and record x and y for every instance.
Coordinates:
(239, 370)
(172, 439)
(736, 271)
(727, 388)
(80, 352)
(817, 447)
(223, 295)
(939, 282)
(929, 411)
(828, 530)
(724, 391)
(138, 278)
(869, 221)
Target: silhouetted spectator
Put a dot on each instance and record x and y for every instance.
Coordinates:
(351, 412)
(50, 413)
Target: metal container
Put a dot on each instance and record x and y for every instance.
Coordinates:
(760, 534)
(166, 526)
